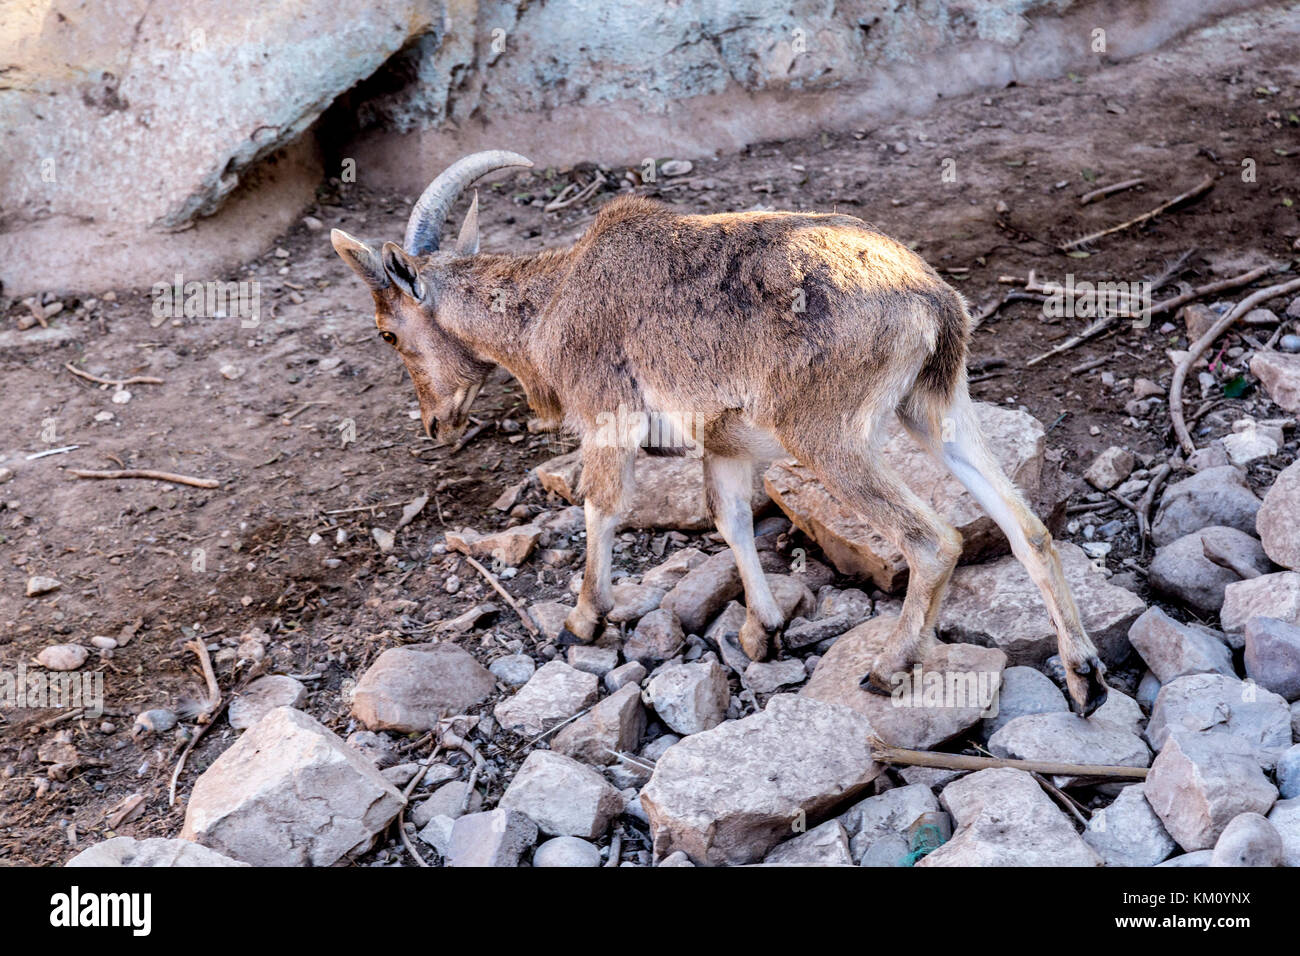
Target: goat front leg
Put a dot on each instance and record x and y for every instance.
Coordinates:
(606, 474)
(727, 489)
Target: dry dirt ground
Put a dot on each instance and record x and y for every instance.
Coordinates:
(125, 550)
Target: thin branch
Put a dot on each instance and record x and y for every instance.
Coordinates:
(119, 382)
(1110, 190)
(1203, 186)
(509, 598)
(882, 753)
(147, 474)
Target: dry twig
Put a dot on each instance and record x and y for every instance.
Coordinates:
(147, 474)
(1110, 190)
(118, 382)
(1203, 186)
(883, 753)
(509, 599)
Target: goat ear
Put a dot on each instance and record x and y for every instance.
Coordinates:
(467, 242)
(402, 270)
(362, 259)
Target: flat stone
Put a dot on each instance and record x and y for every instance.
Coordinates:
(957, 686)
(1128, 832)
(633, 602)
(153, 852)
(1269, 595)
(592, 659)
(1272, 655)
(566, 851)
(62, 657)
(825, 845)
(704, 591)
(763, 677)
(562, 796)
(667, 574)
(1199, 782)
(513, 669)
(658, 637)
(633, 672)
(885, 815)
(1278, 521)
(262, 696)
(290, 793)
(1248, 840)
(40, 584)
(1195, 858)
(1181, 570)
(549, 616)
(614, 725)
(409, 689)
(1005, 819)
(801, 632)
(1213, 702)
(730, 794)
(494, 838)
(1285, 817)
(1121, 711)
(668, 491)
(510, 547)
(1280, 374)
(1110, 468)
(1214, 497)
(1174, 650)
(1025, 690)
(690, 698)
(1017, 441)
(553, 694)
(1068, 738)
(997, 605)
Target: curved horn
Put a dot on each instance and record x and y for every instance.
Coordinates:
(424, 228)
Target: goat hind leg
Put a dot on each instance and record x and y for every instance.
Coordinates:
(606, 472)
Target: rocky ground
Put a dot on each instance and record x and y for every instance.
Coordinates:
(414, 713)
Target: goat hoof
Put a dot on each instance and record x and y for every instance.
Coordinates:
(871, 686)
(1087, 684)
(567, 638)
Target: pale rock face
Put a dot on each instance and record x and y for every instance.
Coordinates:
(825, 845)
(562, 796)
(690, 698)
(1214, 703)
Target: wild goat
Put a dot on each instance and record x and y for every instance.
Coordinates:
(773, 331)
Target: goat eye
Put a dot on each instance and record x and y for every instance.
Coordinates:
(388, 337)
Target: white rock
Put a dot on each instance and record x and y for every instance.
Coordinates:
(1128, 832)
(886, 814)
(262, 696)
(62, 657)
(562, 796)
(1173, 650)
(513, 669)
(1068, 738)
(553, 694)
(690, 698)
(409, 689)
(1212, 702)
(825, 845)
(40, 584)
(495, 838)
(153, 852)
(566, 851)
(1025, 690)
(1269, 595)
(1285, 817)
(766, 677)
(1248, 840)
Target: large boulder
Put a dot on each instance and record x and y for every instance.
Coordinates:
(997, 605)
(1181, 570)
(1278, 520)
(1018, 443)
(950, 690)
(730, 794)
(1215, 497)
(290, 793)
(409, 689)
(1222, 704)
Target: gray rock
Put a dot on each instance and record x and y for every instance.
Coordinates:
(409, 689)
(792, 596)
(723, 634)
(1288, 772)
(614, 725)
(1174, 650)
(852, 603)
(1224, 705)
(1181, 570)
(1272, 655)
(690, 698)
(262, 696)
(378, 748)
(1285, 817)
(592, 659)
(1213, 497)
(825, 845)
(1147, 690)
(933, 777)
(766, 677)
(562, 796)
(658, 637)
(1195, 858)
(1069, 738)
(494, 838)
(892, 849)
(1199, 782)
(730, 794)
(446, 801)
(888, 814)
(566, 851)
(290, 793)
(436, 832)
(513, 669)
(633, 672)
(1110, 468)
(704, 591)
(153, 852)
(1248, 840)
(1128, 832)
(914, 716)
(1269, 595)
(803, 632)
(1024, 690)
(549, 616)
(1278, 521)
(1121, 711)
(555, 693)
(677, 858)
(633, 602)
(1280, 374)
(671, 571)
(1005, 819)
(997, 605)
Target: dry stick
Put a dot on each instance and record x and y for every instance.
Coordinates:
(1063, 798)
(882, 753)
(1089, 366)
(1091, 331)
(1148, 501)
(144, 473)
(1202, 187)
(216, 707)
(1110, 190)
(200, 650)
(406, 795)
(1204, 342)
(1246, 278)
(119, 382)
(496, 586)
